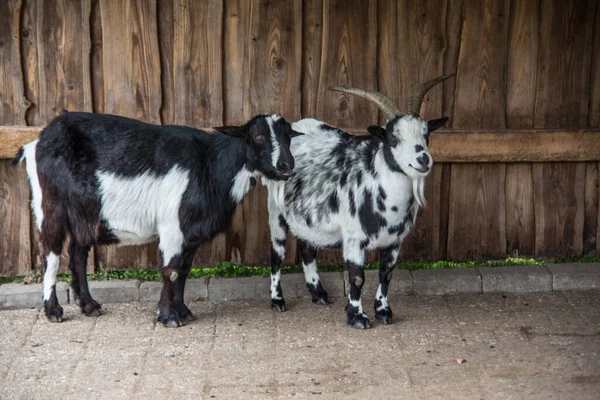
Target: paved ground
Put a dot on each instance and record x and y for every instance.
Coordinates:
(544, 345)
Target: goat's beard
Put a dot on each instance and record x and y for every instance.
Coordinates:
(419, 191)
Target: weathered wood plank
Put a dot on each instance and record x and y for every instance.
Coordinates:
(347, 57)
(592, 206)
(63, 77)
(446, 145)
(190, 40)
(565, 34)
(130, 40)
(270, 78)
(340, 48)
(409, 53)
(15, 256)
(521, 71)
(479, 103)
(133, 89)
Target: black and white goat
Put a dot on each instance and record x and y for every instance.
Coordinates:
(105, 179)
(361, 193)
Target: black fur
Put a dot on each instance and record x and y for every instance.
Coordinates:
(370, 220)
(75, 146)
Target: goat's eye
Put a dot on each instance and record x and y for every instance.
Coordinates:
(393, 141)
(259, 138)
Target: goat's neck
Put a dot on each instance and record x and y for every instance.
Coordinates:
(398, 183)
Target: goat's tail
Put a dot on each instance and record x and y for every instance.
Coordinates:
(18, 157)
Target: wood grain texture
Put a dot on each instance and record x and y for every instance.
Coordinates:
(590, 199)
(565, 32)
(412, 39)
(63, 57)
(15, 256)
(63, 78)
(446, 145)
(346, 57)
(521, 71)
(592, 172)
(96, 58)
(478, 104)
(132, 88)
(593, 121)
(131, 62)
(192, 78)
(268, 81)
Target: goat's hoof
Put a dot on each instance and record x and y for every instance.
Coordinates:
(278, 305)
(171, 321)
(184, 313)
(359, 321)
(91, 308)
(384, 315)
(321, 298)
(54, 313)
(319, 295)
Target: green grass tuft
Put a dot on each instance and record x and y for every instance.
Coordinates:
(230, 270)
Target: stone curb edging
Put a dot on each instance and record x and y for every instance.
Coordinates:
(514, 279)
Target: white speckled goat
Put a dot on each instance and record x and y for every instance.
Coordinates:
(361, 193)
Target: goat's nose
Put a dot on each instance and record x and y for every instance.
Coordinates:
(423, 159)
(285, 167)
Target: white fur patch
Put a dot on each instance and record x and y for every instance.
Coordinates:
(276, 148)
(52, 264)
(36, 190)
(383, 299)
(311, 274)
(242, 184)
(139, 209)
(275, 279)
(357, 304)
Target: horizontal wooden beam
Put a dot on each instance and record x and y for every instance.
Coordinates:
(446, 145)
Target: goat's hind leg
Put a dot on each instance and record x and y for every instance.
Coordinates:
(52, 236)
(387, 258)
(179, 287)
(311, 275)
(78, 255)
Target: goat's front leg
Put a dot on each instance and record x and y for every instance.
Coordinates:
(354, 258)
(387, 262)
(174, 274)
(278, 227)
(311, 275)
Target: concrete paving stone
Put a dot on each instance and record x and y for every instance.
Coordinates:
(294, 285)
(575, 276)
(18, 295)
(516, 279)
(446, 281)
(196, 289)
(244, 288)
(401, 282)
(150, 291)
(249, 351)
(115, 291)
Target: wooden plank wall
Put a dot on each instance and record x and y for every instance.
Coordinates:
(520, 64)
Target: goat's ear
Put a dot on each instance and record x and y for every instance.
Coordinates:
(296, 133)
(436, 123)
(236, 131)
(376, 131)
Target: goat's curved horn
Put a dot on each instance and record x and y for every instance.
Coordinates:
(386, 104)
(418, 93)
